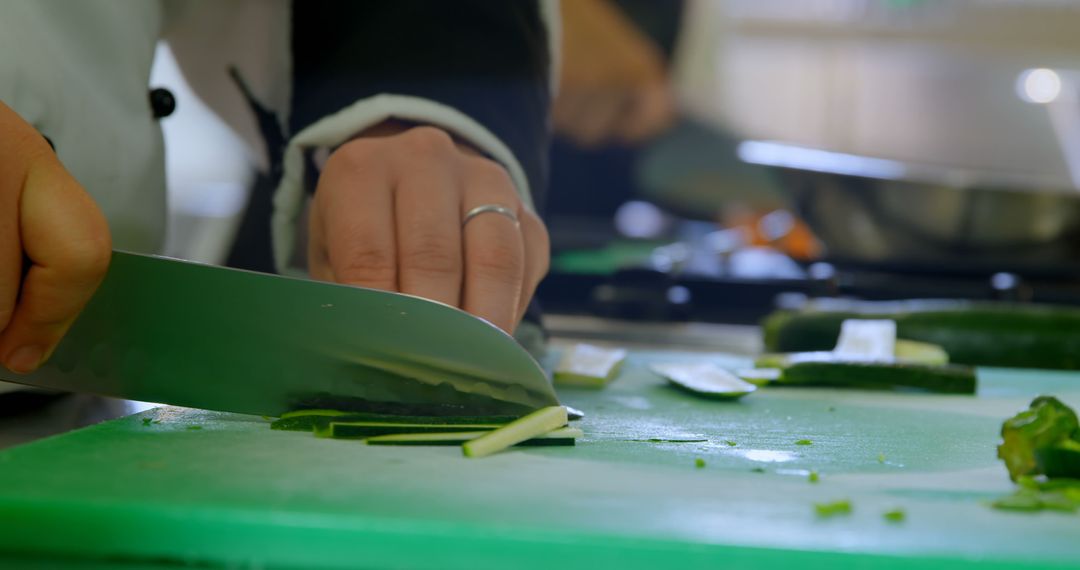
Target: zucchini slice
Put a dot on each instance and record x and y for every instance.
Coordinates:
(363, 429)
(303, 420)
(589, 366)
(870, 340)
(979, 334)
(562, 436)
(759, 376)
(917, 352)
(704, 379)
(537, 423)
(950, 379)
(319, 420)
(905, 352)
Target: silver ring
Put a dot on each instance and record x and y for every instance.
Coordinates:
(485, 208)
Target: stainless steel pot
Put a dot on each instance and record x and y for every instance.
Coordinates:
(871, 210)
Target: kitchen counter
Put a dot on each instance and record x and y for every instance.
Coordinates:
(224, 490)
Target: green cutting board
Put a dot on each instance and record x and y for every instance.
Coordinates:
(234, 493)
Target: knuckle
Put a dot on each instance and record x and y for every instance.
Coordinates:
(356, 155)
(490, 173)
(427, 141)
(87, 258)
(432, 255)
(367, 265)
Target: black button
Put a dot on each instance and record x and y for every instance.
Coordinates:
(162, 102)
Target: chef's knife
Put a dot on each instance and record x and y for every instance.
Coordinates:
(188, 334)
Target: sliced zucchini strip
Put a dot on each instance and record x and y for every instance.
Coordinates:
(562, 436)
(537, 423)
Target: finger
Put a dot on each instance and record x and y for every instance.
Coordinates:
(67, 240)
(565, 111)
(653, 111)
(20, 147)
(600, 122)
(570, 116)
(494, 252)
(10, 249)
(427, 205)
(318, 259)
(537, 249)
(356, 208)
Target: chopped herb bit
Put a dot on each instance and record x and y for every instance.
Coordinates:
(527, 427)
(194, 427)
(758, 470)
(813, 477)
(731, 443)
(895, 515)
(881, 458)
(804, 442)
(832, 408)
(147, 421)
(834, 508)
(699, 463)
(157, 421)
(267, 418)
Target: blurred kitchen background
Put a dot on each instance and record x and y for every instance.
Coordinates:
(869, 148)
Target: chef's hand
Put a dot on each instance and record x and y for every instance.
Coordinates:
(613, 86)
(46, 216)
(388, 213)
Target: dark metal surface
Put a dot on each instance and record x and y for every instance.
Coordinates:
(872, 210)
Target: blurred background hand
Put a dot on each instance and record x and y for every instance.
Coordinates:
(614, 87)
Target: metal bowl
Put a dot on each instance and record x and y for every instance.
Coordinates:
(869, 210)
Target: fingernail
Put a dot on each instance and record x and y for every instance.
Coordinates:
(25, 359)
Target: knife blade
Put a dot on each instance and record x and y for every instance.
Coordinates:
(188, 334)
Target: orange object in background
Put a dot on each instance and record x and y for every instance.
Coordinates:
(779, 229)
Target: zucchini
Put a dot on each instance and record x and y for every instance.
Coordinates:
(917, 352)
(589, 366)
(319, 420)
(979, 333)
(950, 379)
(704, 379)
(537, 423)
(905, 352)
(303, 420)
(363, 429)
(562, 436)
(759, 376)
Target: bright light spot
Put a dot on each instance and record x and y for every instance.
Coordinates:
(678, 295)
(638, 219)
(1039, 85)
(766, 455)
